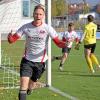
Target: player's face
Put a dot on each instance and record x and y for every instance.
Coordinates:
(38, 15)
(71, 28)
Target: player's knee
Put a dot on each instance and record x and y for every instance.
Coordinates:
(24, 83)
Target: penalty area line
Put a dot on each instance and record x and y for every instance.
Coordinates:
(63, 93)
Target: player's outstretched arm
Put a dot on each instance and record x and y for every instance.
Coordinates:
(12, 37)
(59, 43)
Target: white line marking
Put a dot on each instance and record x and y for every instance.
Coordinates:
(63, 93)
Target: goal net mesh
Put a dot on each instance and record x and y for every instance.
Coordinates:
(13, 14)
(9, 19)
(9, 76)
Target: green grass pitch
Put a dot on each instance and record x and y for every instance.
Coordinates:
(75, 80)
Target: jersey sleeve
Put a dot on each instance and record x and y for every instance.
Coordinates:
(20, 31)
(77, 37)
(64, 37)
(52, 33)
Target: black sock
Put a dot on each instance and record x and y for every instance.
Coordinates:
(60, 65)
(57, 58)
(22, 95)
(29, 91)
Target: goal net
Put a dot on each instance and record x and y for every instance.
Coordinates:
(13, 14)
(9, 76)
(9, 20)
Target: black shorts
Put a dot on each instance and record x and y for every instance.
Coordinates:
(31, 69)
(66, 50)
(91, 46)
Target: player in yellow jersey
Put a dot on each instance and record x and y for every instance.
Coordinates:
(89, 38)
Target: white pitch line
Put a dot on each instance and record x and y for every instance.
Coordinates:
(63, 93)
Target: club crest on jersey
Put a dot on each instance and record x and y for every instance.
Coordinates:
(42, 33)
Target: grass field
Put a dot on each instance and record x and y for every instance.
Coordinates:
(75, 80)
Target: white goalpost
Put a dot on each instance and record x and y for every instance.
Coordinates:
(11, 19)
(48, 20)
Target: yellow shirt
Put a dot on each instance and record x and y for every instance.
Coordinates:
(90, 33)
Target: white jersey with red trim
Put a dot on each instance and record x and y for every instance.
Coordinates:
(36, 41)
(70, 37)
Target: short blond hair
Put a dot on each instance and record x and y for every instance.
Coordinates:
(39, 7)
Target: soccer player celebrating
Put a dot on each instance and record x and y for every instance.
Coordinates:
(89, 38)
(69, 37)
(33, 62)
